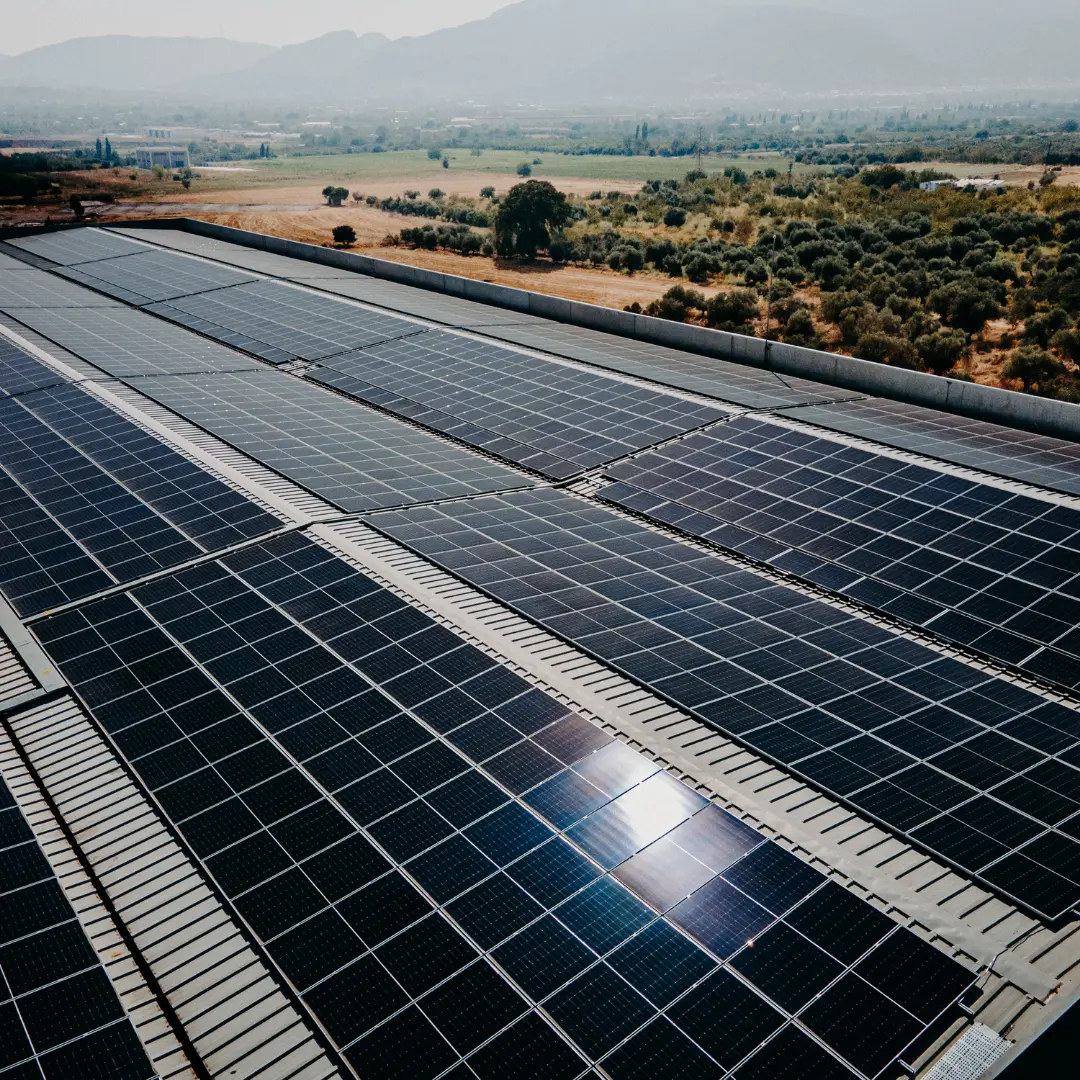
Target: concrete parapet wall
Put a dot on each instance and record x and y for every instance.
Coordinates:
(1043, 415)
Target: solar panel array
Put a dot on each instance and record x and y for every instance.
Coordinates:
(742, 385)
(1003, 451)
(350, 455)
(153, 276)
(279, 323)
(127, 343)
(74, 246)
(59, 1014)
(556, 419)
(447, 863)
(975, 769)
(30, 288)
(90, 499)
(308, 329)
(973, 562)
(20, 372)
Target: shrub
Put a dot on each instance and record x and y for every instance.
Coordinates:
(344, 236)
(941, 350)
(800, 330)
(434, 154)
(524, 169)
(732, 311)
(436, 193)
(1067, 342)
(1034, 367)
(886, 349)
(674, 218)
(678, 304)
(487, 193)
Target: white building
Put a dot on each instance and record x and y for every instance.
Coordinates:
(168, 157)
(977, 183)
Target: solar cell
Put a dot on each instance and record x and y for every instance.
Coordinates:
(32, 288)
(152, 276)
(77, 245)
(279, 323)
(376, 883)
(547, 416)
(350, 455)
(737, 383)
(20, 372)
(993, 448)
(128, 343)
(979, 565)
(59, 1013)
(913, 738)
(90, 500)
(8, 263)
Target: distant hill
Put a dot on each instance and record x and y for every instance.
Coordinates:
(657, 52)
(327, 61)
(120, 62)
(577, 50)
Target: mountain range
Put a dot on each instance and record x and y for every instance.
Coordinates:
(616, 51)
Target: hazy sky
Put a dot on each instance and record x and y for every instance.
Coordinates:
(25, 25)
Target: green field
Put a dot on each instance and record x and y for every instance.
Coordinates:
(354, 169)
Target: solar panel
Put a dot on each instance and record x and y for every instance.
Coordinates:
(59, 1014)
(279, 323)
(20, 372)
(977, 564)
(77, 246)
(128, 343)
(547, 416)
(89, 499)
(993, 448)
(8, 263)
(445, 862)
(39, 289)
(153, 276)
(262, 262)
(957, 760)
(350, 455)
(737, 383)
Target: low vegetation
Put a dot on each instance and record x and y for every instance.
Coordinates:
(949, 281)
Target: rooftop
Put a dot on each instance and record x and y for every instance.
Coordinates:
(398, 684)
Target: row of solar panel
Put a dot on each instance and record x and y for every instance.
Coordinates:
(431, 849)
(1011, 453)
(972, 562)
(59, 1014)
(90, 499)
(1005, 451)
(969, 766)
(553, 418)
